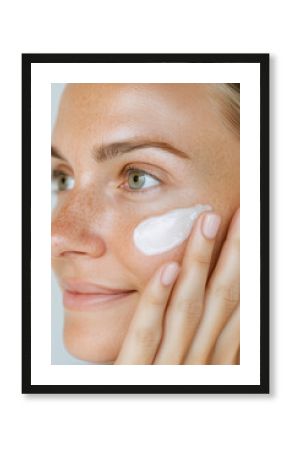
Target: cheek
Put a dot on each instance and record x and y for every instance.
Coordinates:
(144, 267)
(140, 266)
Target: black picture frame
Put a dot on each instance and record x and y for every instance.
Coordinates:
(259, 58)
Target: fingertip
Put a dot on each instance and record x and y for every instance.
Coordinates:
(169, 274)
(210, 225)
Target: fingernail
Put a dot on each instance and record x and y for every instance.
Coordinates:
(210, 225)
(169, 274)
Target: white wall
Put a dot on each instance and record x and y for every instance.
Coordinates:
(144, 422)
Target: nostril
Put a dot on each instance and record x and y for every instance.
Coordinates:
(62, 247)
(74, 240)
(72, 253)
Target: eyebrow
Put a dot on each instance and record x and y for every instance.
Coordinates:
(55, 153)
(106, 152)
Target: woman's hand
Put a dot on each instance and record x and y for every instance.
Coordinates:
(185, 318)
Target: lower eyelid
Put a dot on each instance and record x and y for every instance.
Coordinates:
(142, 191)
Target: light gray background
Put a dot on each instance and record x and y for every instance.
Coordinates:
(59, 355)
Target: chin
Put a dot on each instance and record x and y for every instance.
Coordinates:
(96, 337)
(84, 346)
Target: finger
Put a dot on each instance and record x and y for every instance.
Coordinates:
(186, 303)
(222, 296)
(227, 346)
(145, 331)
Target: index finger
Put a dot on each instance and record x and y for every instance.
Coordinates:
(186, 304)
(145, 331)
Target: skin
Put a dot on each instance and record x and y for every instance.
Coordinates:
(93, 223)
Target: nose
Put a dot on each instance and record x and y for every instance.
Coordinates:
(75, 231)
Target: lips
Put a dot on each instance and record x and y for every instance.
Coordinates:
(83, 287)
(80, 295)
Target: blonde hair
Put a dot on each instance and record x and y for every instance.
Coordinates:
(228, 95)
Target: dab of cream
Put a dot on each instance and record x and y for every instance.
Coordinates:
(160, 234)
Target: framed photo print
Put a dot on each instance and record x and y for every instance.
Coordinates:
(145, 245)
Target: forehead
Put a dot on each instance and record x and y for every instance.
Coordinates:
(98, 102)
(184, 115)
(121, 99)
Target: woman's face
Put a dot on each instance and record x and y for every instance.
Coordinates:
(177, 134)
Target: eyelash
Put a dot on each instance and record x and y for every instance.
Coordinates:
(131, 168)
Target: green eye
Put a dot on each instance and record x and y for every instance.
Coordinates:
(138, 179)
(61, 181)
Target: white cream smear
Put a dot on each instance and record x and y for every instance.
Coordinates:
(160, 234)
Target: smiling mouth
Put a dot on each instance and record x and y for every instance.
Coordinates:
(80, 301)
